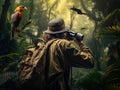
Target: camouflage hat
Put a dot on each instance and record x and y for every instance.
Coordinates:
(56, 26)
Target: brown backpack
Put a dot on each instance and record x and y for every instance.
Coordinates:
(30, 75)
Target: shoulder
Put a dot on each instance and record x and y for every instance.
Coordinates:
(62, 43)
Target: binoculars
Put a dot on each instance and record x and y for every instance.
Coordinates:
(71, 35)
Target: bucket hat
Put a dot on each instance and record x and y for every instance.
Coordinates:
(56, 26)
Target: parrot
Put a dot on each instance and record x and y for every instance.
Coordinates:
(15, 20)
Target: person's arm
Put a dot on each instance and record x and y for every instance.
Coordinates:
(79, 58)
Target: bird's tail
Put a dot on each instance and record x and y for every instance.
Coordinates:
(11, 35)
(12, 32)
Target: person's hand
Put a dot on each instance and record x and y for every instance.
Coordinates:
(80, 43)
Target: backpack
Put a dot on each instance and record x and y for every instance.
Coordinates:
(31, 76)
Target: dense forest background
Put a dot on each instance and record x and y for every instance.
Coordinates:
(100, 25)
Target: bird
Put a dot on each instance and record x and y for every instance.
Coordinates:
(15, 20)
(77, 10)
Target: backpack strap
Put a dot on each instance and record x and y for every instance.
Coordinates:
(47, 62)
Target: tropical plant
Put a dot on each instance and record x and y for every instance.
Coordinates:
(92, 81)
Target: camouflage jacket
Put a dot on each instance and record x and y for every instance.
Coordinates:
(62, 55)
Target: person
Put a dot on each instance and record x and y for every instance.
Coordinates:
(63, 55)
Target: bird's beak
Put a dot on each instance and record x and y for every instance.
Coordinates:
(25, 8)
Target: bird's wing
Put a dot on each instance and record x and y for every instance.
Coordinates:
(15, 19)
(77, 10)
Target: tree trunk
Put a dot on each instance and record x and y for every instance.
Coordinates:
(4, 15)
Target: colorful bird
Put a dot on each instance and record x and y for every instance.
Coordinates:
(15, 20)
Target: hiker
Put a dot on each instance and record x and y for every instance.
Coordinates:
(63, 55)
(47, 67)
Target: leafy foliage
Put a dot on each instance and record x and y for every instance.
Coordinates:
(113, 73)
(113, 15)
(8, 55)
(112, 76)
(92, 81)
(7, 80)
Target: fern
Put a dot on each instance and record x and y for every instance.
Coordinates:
(115, 28)
(92, 81)
(111, 14)
(112, 76)
(113, 73)
(110, 30)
